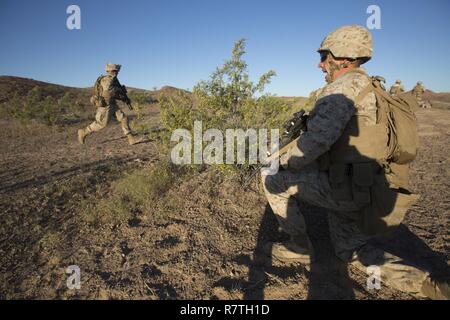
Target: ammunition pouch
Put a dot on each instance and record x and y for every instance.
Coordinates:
(353, 182)
(339, 177)
(367, 184)
(362, 181)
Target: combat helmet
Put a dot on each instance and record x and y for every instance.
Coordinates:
(419, 83)
(113, 67)
(351, 42)
(398, 81)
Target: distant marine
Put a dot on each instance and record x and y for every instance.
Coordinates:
(107, 90)
(397, 88)
(418, 92)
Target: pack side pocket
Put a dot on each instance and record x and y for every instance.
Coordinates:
(388, 208)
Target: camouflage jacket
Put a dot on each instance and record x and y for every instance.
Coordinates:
(396, 89)
(111, 89)
(418, 89)
(331, 113)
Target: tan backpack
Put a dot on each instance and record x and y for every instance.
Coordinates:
(397, 112)
(97, 99)
(388, 206)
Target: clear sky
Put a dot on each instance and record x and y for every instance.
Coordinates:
(178, 43)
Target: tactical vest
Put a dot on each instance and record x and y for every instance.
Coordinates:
(368, 164)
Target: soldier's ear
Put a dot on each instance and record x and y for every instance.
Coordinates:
(343, 63)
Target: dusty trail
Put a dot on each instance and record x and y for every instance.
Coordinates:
(38, 155)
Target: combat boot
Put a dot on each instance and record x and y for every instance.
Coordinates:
(436, 290)
(297, 249)
(82, 134)
(133, 139)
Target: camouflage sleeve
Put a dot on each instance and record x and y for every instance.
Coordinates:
(327, 121)
(325, 125)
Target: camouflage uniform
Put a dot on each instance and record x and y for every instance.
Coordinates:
(111, 91)
(418, 91)
(111, 87)
(306, 181)
(397, 88)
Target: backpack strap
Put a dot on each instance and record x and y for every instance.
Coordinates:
(374, 85)
(364, 93)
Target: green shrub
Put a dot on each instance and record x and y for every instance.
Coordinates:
(134, 192)
(228, 100)
(177, 111)
(70, 105)
(44, 109)
(141, 98)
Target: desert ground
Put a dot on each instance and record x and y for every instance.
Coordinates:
(201, 239)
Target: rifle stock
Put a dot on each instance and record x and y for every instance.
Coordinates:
(282, 150)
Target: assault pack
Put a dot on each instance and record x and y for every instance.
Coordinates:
(390, 202)
(392, 140)
(397, 112)
(97, 99)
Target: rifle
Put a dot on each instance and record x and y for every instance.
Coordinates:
(292, 131)
(123, 96)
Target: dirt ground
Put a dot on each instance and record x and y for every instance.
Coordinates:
(202, 240)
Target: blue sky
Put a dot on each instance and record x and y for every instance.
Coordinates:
(178, 43)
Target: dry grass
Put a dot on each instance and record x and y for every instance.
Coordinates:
(134, 192)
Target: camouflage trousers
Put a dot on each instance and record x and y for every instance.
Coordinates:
(104, 116)
(312, 186)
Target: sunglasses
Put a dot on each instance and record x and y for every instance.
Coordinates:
(323, 56)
